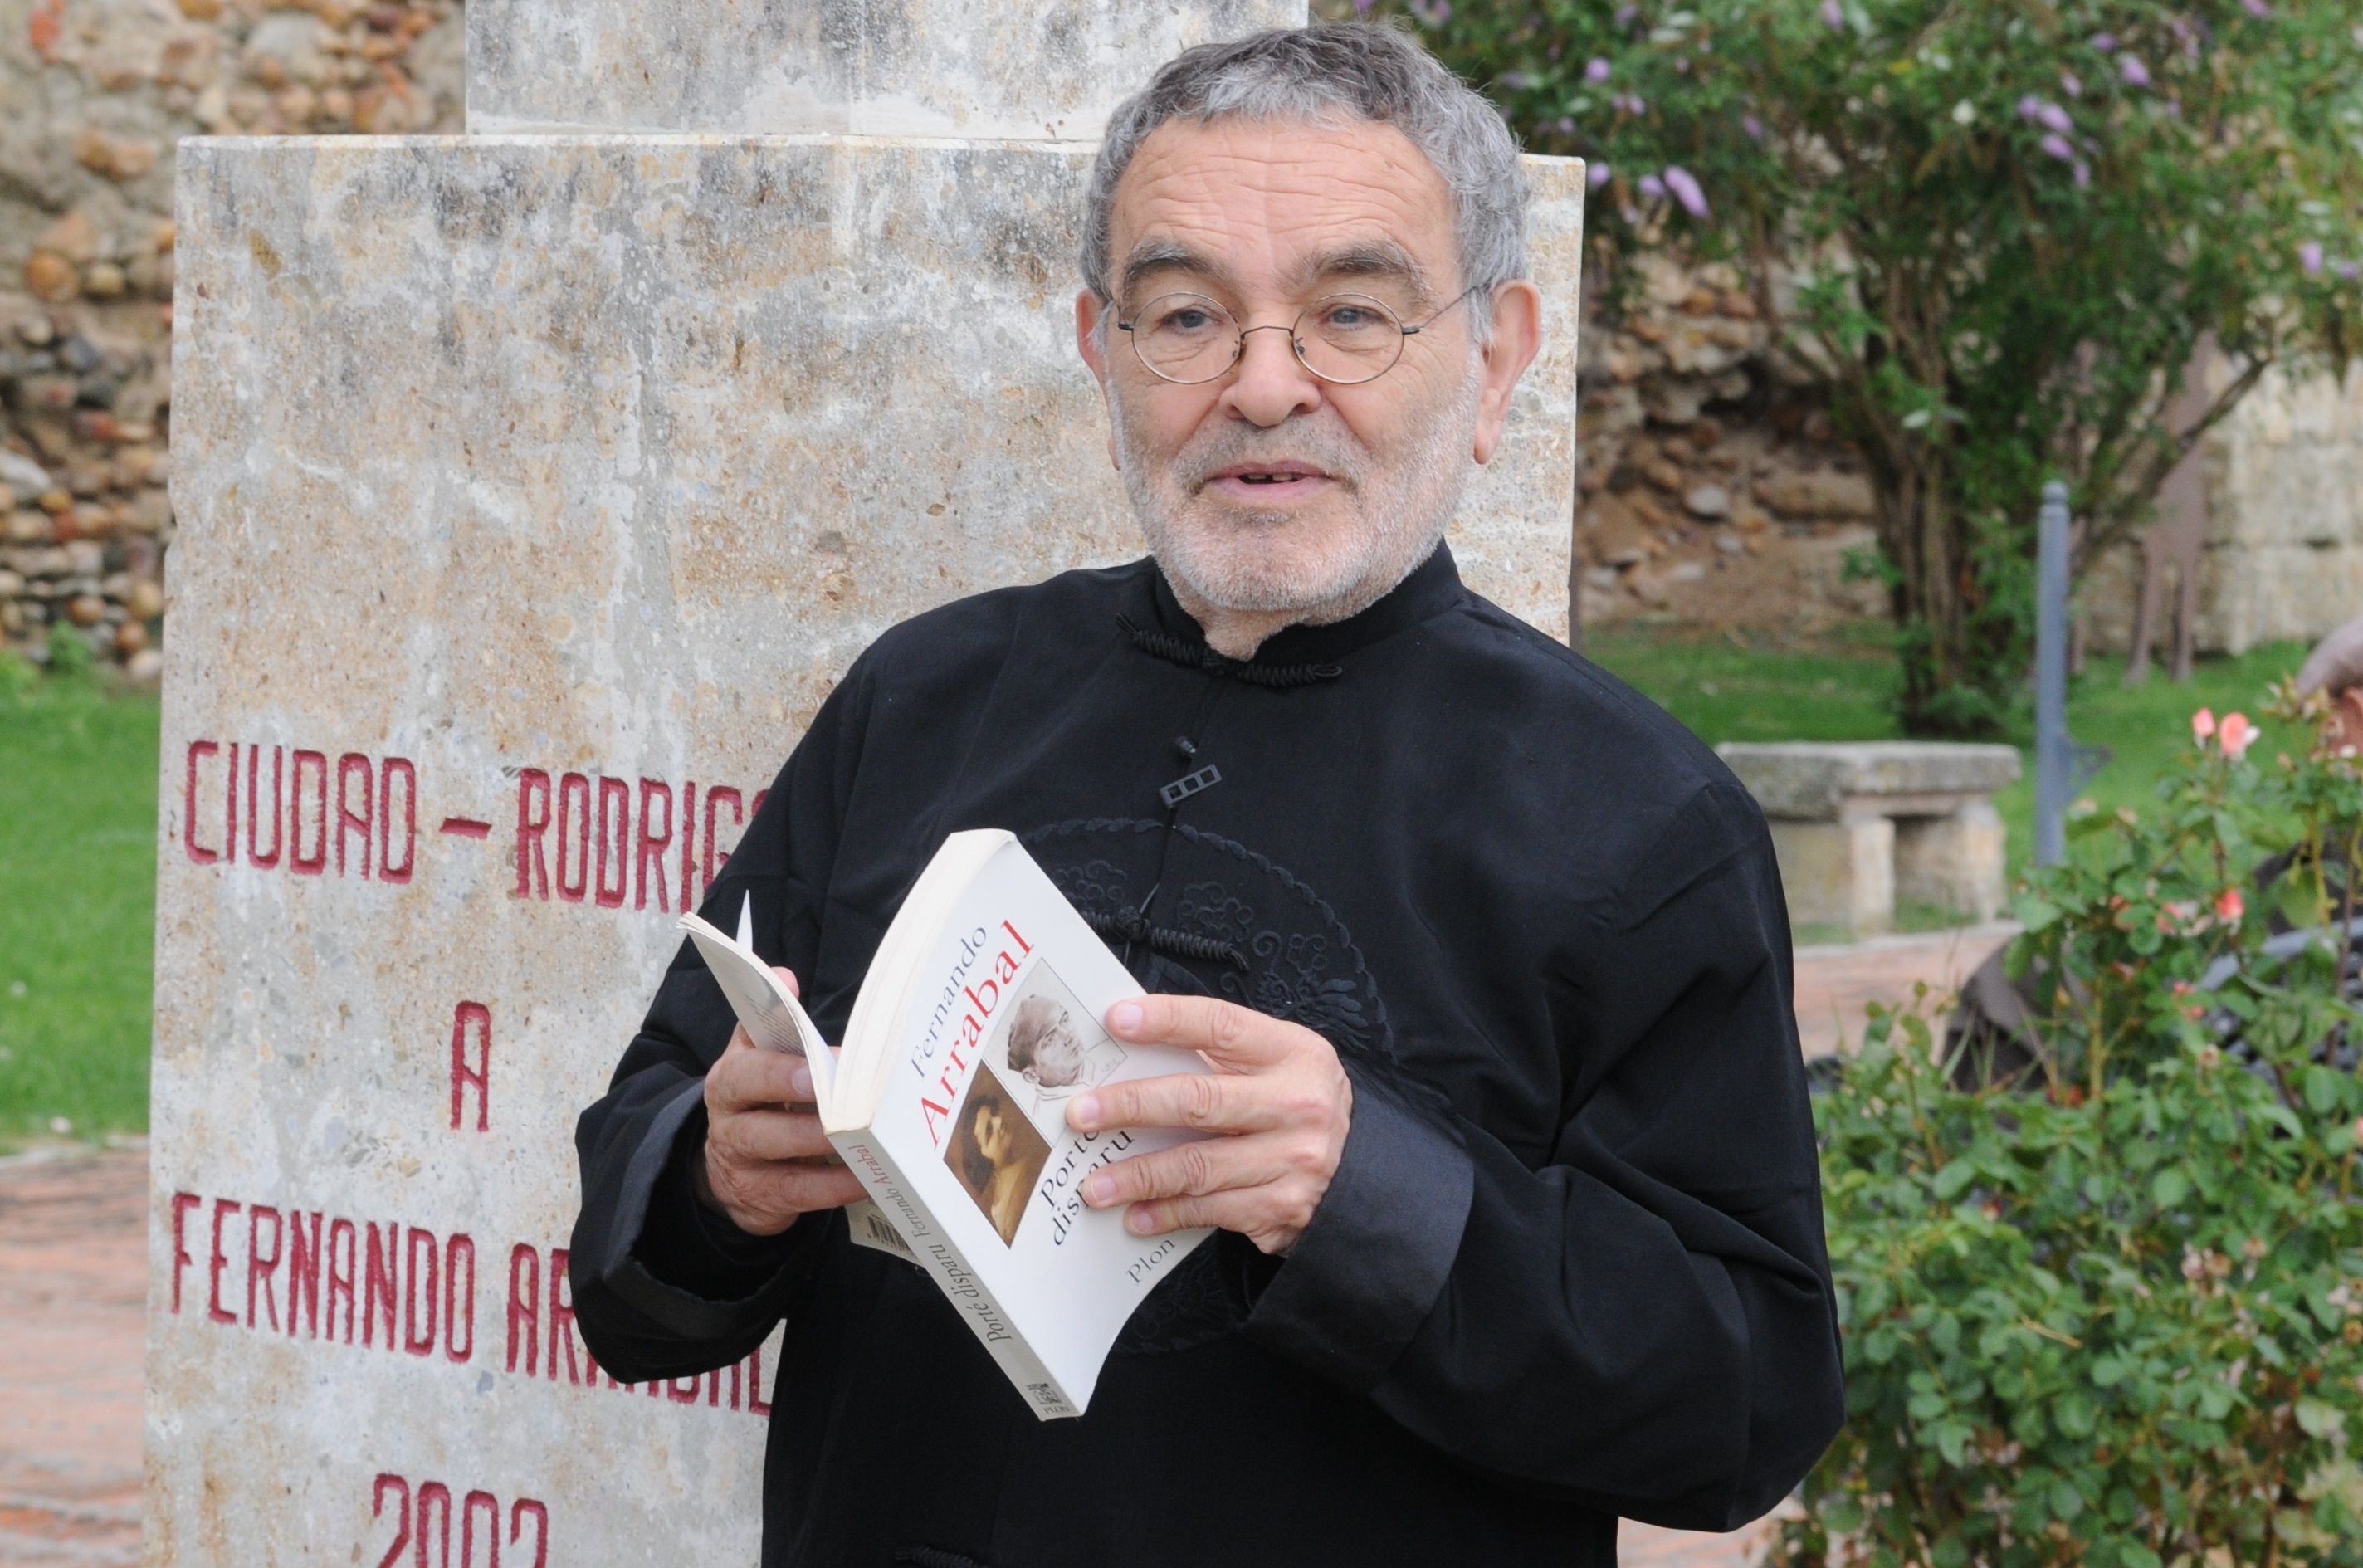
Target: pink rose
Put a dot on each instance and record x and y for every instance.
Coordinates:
(2235, 736)
(2202, 725)
(2229, 906)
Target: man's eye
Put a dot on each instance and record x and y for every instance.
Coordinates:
(1350, 317)
(1186, 320)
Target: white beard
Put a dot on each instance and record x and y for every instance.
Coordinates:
(1403, 507)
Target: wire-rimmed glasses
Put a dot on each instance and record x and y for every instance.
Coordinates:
(1346, 339)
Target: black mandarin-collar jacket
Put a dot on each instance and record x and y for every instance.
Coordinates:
(1571, 1265)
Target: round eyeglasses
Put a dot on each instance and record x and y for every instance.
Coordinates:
(1345, 340)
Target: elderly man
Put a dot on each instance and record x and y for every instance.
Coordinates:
(1519, 1221)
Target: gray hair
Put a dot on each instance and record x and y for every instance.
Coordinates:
(1366, 70)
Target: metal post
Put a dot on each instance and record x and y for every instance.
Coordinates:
(2053, 750)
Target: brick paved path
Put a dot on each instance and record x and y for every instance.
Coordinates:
(72, 1292)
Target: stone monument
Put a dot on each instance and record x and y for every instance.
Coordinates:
(533, 490)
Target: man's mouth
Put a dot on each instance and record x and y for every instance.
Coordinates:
(1269, 481)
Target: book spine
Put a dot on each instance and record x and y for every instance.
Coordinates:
(933, 1250)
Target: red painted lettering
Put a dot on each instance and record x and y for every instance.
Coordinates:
(381, 1283)
(523, 1508)
(688, 847)
(254, 817)
(418, 1302)
(304, 1260)
(532, 826)
(398, 768)
(400, 1516)
(344, 1270)
(475, 1016)
(524, 1306)
(182, 1204)
(350, 766)
(262, 1272)
(458, 1299)
(197, 852)
(649, 862)
(714, 799)
(318, 860)
(433, 1496)
(223, 1209)
(574, 805)
(615, 842)
(492, 1529)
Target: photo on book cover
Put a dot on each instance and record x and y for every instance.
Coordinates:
(1053, 1048)
(995, 1153)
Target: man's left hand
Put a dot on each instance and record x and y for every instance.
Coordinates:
(1278, 1104)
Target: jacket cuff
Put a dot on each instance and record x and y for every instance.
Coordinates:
(1367, 1271)
(680, 1262)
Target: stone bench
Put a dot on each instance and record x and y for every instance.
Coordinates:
(1858, 824)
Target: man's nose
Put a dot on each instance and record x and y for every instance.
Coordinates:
(1269, 382)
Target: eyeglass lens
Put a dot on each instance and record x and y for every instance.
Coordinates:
(1344, 338)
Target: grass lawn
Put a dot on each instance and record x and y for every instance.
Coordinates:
(77, 907)
(1725, 688)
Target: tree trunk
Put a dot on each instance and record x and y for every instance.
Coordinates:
(1959, 659)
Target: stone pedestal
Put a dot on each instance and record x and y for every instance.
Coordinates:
(1857, 827)
(533, 491)
(1838, 873)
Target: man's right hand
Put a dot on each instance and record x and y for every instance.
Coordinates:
(764, 1149)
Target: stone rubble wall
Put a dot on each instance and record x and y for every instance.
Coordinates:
(94, 96)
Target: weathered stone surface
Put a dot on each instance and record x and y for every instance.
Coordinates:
(499, 461)
(1047, 69)
(1955, 862)
(1838, 873)
(1821, 493)
(1816, 781)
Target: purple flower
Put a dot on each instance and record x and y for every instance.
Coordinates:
(2136, 73)
(1626, 13)
(1652, 186)
(2030, 107)
(2071, 83)
(1753, 126)
(2056, 145)
(1832, 16)
(2348, 269)
(1595, 174)
(2054, 118)
(2256, 7)
(1597, 70)
(1679, 180)
(1567, 125)
(1362, 8)
(2105, 42)
(2083, 173)
(2309, 256)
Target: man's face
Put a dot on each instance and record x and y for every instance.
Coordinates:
(1265, 219)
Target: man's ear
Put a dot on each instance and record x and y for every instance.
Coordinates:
(1517, 337)
(1089, 307)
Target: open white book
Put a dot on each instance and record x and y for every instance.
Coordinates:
(978, 1019)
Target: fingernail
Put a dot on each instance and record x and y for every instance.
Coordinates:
(1139, 1221)
(1085, 1112)
(1125, 1017)
(801, 1081)
(1096, 1191)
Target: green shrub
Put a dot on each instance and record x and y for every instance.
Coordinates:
(2111, 1311)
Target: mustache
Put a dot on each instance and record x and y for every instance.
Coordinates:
(1332, 455)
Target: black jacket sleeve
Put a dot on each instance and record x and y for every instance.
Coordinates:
(664, 1287)
(1645, 1323)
